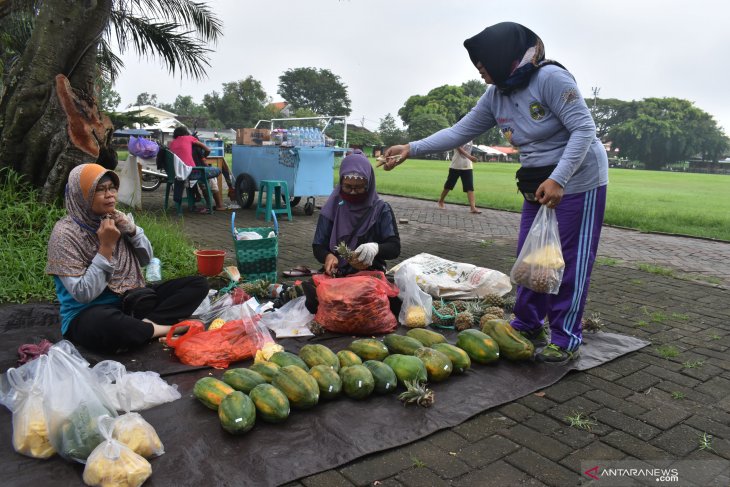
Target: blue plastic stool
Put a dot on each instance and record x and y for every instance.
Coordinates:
(276, 191)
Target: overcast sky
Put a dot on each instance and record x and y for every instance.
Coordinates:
(387, 50)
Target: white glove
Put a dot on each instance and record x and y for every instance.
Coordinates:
(366, 253)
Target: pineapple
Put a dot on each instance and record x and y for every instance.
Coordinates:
(494, 310)
(316, 328)
(344, 251)
(489, 317)
(509, 303)
(494, 300)
(418, 393)
(446, 317)
(459, 305)
(593, 324)
(258, 289)
(477, 311)
(415, 317)
(463, 321)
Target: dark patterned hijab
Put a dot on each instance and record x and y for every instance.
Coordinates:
(510, 52)
(353, 220)
(74, 243)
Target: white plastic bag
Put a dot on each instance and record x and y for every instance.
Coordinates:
(416, 309)
(130, 186)
(138, 435)
(443, 278)
(133, 391)
(540, 265)
(114, 464)
(30, 428)
(290, 320)
(73, 400)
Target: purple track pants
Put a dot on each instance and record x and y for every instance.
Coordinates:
(580, 217)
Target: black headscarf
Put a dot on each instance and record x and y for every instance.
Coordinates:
(510, 52)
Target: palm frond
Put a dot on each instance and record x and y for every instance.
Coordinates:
(189, 15)
(179, 50)
(109, 63)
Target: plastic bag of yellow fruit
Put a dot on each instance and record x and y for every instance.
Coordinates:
(540, 265)
(417, 305)
(112, 464)
(133, 431)
(30, 428)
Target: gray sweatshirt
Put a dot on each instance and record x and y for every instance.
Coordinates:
(548, 121)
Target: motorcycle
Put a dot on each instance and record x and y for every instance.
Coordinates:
(152, 177)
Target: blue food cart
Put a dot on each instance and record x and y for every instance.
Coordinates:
(308, 171)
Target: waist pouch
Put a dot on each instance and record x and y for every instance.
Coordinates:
(530, 178)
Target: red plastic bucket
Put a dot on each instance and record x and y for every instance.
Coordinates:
(210, 262)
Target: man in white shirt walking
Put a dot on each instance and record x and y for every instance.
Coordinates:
(461, 167)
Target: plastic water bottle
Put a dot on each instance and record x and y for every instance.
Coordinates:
(154, 270)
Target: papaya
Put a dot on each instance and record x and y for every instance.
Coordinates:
(383, 375)
(369, 349)
(266, 369)
(347, 358)
(481, 348)
(282, 359)
(298, 386)
(406, 367)
(237, 413)
(438, 365)
(401, 344)
(357, 381)
(243, 379)
(211, 391)
(272, 405)
(459, 358)
(426, 337)
(316, 354)
(328, 380)
(512, 345)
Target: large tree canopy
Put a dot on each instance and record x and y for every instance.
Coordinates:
(659, 131)
(316, 89)
(390, 133)
(49, 119)
(241, 104)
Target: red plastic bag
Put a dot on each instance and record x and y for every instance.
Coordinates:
(356, 304)
(216, 348)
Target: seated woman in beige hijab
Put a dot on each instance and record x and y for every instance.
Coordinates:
(95, 255)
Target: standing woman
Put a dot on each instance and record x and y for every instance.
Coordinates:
(538, 107)
(95, 255)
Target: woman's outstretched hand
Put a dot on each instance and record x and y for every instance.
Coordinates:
(395, 155)
(549, 193)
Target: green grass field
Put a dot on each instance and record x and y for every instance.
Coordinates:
(657, 201)
(682, 203)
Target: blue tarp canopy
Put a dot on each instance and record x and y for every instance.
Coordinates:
(135, 132)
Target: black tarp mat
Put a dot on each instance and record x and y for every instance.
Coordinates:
(199, 452)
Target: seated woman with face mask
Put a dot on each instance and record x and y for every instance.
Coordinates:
(354, 214)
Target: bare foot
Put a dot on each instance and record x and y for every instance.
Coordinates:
(475, 211)
(441, 205)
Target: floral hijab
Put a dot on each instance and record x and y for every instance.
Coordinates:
(74, 243)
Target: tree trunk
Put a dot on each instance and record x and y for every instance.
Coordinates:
(49, 121)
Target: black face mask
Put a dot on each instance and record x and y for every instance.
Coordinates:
(353, 198)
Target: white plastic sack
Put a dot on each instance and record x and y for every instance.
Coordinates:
(130, 185)
(133, 391)
(417, 305)
(443, 278)
(290, 320)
